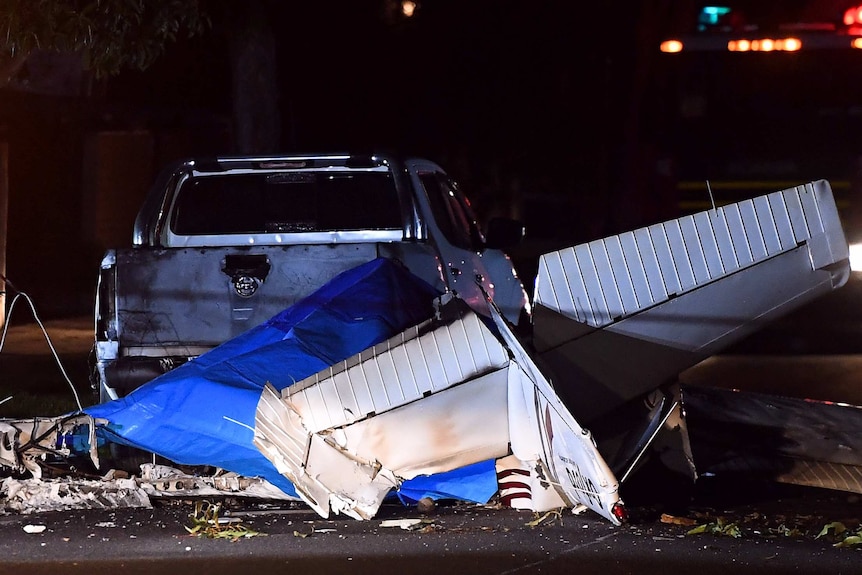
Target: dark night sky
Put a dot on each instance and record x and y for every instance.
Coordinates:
(495, 77)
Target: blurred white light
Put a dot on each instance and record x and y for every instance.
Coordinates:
(792, 44)
(856, 257)
(671, 46)
(408, 8)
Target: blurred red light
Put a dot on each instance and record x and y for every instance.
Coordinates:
(620, 512)
(853, 16)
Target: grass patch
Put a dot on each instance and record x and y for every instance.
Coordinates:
(25, 404)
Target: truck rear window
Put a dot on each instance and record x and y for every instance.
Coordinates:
(286, 202)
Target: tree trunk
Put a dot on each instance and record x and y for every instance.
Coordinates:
(4, 205)
(254, 80)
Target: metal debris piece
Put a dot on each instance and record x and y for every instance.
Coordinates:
(787, 439)
(406, 524)
(38, 495)
(165, 481)
(25, 443)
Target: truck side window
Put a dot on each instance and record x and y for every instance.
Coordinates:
(452, 212)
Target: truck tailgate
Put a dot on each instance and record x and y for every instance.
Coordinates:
(190, 297)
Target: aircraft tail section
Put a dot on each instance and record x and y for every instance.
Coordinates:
(618, 317)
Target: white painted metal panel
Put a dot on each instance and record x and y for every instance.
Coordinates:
(706, 233)
(779, 208)
(622, 277)
(726, 249)
(650, 264)
(576, 288)
(649, 259)
(596, 305)
(797, 216)
(398, 372)
(679, 255)
(754, 231)
(661, 244)
(695, 249)
(738, 237)
(607, 282)
(767, 224)
(636, 271)
(456, 427)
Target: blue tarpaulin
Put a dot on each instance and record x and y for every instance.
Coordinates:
(202, 413)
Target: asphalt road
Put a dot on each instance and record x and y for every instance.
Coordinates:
(457, 538)
(777, 525)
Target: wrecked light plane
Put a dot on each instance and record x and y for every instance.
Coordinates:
(432, 405)
(427, 401)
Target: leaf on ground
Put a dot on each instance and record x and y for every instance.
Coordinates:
(850, 541)
(718, 527)
(786, 531)
(205, 523)
(836, 528)
(674, 520)
(547, 517)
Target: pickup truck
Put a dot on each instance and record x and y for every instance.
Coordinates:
(221, 245)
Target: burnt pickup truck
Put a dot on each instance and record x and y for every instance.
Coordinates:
(221, 245)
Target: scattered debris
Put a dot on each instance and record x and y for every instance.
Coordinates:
(37, 495)
(835, 528)
(406, 524)
(785, 531)
(312, 531)
(718, 527)
(166, 481)
(207, 523)
(674, 520)
(423, 525)
(25, 444)
(845, 537)
(549, 517)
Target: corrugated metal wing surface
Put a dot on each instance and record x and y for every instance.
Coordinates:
(606, 280)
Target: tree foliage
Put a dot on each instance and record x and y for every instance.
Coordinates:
(111, 34)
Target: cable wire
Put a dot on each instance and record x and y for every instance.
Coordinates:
(27, 298)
